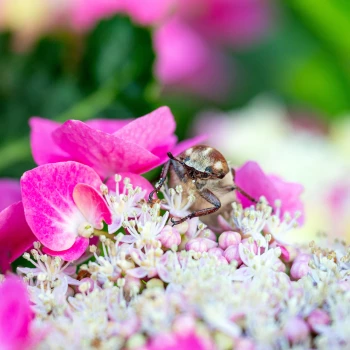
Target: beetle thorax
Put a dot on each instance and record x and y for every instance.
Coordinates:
(206, 160)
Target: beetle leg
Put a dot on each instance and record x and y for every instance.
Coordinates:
(161, 181)
(209, 197)
(238, 189)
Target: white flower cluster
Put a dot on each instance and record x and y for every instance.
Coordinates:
(188, 285)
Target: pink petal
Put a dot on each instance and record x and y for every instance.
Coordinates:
(15, 314)
(48, 202)
(243, 273)
(15, 235)
(128, 239)
(73, 253)
(108, 126)
(44, 148)
(135, 180)
(150, 130)
(253, 180)
(165, 147)
(10, 192)
(138, 272)
(106, 153)
(289, 193)
(92, 205)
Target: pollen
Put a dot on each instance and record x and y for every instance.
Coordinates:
(218, 165)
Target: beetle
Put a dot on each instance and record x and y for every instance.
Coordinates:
(203, 170)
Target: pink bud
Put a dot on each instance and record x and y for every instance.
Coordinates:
(296, 330)
(131, 283)
(232, 253)
(229, 238)
(318, 317)
(222, 260)
(169, 237)
(209, 234)
(197, 244)
(244, 344)
(216, 251)
(251, 246)
(300, 266)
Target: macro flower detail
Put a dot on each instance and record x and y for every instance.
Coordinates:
(109, 147)
(251, 178)
(62, 206)
(123, 199)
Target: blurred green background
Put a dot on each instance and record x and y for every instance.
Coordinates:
(108, 72)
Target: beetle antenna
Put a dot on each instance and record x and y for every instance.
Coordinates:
(245, 194)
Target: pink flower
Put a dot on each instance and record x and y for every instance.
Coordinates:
(109, 146)
(186, 61)
(233, 22)
(169, 237)
(10, 192)
(318, 317)
(63, 206)
(229, 238)
(15, 235)
(300, 267)
(296, 330)
(200, 244)
(180, 340)
(189, 44)
(15, 315)
(251, 178)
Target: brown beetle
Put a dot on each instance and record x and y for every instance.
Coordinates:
(203, 170)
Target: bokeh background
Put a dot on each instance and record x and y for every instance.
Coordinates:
(266, 80)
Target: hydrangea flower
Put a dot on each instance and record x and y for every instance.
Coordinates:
(15, 315)
(63, 206)
(138, 293)
(109, 146)
(251, 178)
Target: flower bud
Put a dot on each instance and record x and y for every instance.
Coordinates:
(300, 266)
(232, 253)
(131, 283)
(229, 238)
(209, 234)
(296, 330)
(216, 251)
(318, 317)
(244, 344)
(197, 244)
(169, 237)
(222, 260)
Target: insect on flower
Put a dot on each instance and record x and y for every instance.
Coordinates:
(202, 170)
